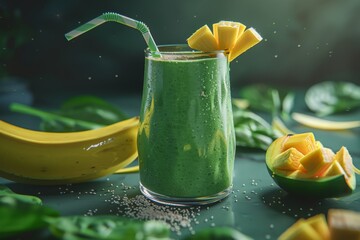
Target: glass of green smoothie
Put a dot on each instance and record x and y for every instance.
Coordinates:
(186, 138)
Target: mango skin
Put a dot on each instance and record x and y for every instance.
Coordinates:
(319, 188)
(327, 187)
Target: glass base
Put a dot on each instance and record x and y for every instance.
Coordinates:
(175, 201)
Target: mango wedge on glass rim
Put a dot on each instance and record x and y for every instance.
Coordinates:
(232, 37)
(203, 40)
(246, 41)
(226, 33)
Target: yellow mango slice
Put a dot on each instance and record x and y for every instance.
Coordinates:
(303, 142)
(203, 40)
(345, 160)
(319, 224)
(317, 161)
(276, 148)
(245, 41)
(226, 33)
(300, 230)
(288, 160)
(300, 174)
(334, 170)
(228, 36)
(344, 224)
(319, 144)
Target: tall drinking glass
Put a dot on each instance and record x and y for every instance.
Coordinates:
(186, 138)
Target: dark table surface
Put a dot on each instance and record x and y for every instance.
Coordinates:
(257, 206)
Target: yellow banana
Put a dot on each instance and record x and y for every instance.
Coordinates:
(36, 157)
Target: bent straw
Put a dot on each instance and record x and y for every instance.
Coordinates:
(115, 17)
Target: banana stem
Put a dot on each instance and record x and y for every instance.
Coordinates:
(17, 107)
(128, 170)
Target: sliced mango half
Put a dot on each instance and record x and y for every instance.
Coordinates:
(341, 224)
(312, 228)
(317, 174)
(319, 224)
(232, 37)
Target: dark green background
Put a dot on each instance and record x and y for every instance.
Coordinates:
(304, 41)
(314, 40)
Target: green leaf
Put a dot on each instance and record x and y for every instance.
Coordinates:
(92, 108)
(20, 213)
(18, 217)
(276, 102)
(259, 96)
(76, 114)
(68, 123)
(107, 227)
(287, 105)
(7, 192)
(251, 130)
(330, 97)
(268, 99)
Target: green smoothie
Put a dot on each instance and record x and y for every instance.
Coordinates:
(186, 138)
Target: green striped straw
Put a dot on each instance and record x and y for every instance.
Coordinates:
(115, 17)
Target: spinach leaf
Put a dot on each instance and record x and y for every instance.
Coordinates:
(259, 97)
(107, 227)
(21, 213)
(330, 97)
(7, 192)
(287, 105)
(251, 130)
(62, 123)
(268, 99)
(92, 108)
(76, 114)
